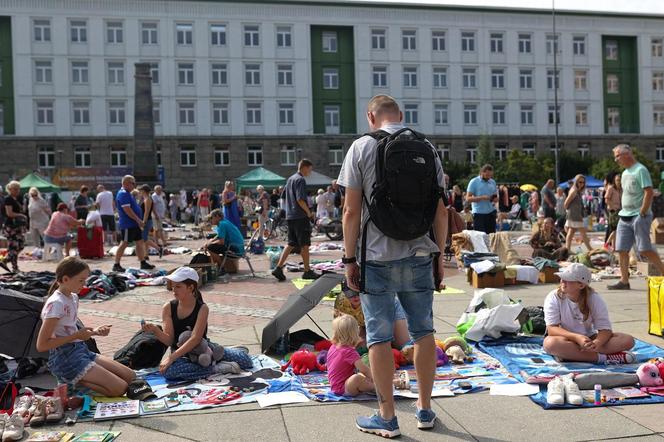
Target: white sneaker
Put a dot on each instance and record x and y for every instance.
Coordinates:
(555, 392)
(572, 392)
(14, 428)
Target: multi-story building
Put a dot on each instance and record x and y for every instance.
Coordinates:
(244, 84)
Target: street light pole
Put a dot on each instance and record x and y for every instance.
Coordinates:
(556, 114)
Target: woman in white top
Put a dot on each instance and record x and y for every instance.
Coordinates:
(578, 325)
(321, 205)
(40, 214)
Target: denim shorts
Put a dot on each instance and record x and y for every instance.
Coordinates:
(61, 240)
(145, 233)
(70, 362)
(636, 230)
(411, 280)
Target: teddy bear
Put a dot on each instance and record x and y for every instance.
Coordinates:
(457, 350)
(202, 354)
(302, 362)
(408, 352)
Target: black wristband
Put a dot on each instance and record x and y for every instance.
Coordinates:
(351, 260)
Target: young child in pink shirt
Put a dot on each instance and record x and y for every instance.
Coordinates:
(343, 360)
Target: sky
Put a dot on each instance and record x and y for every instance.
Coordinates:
(614, 6)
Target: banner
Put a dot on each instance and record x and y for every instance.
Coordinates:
(74, 178)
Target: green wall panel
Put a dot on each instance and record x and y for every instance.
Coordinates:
(625, 68)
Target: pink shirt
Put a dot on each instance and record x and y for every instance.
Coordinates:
(59, 225)
(340, 366)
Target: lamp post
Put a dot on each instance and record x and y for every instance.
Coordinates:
(556, 113)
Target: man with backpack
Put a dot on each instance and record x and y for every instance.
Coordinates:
(393, 182)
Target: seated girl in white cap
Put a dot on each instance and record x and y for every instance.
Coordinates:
(578, 325)
(188, 312)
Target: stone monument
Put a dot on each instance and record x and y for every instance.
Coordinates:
(145, 155)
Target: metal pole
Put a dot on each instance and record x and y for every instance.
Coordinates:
(555, 89)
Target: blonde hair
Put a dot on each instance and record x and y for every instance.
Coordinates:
(345, 331)
(383, 104)
(13, 185)
(34, 191)
(585, 293)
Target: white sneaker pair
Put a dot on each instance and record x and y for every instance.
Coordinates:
(563, 388)
(12, 427)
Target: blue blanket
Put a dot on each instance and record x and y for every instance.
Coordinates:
(525, 356)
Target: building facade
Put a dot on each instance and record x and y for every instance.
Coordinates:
(238, 85)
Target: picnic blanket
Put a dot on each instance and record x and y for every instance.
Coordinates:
(300, 283)
(524, 357)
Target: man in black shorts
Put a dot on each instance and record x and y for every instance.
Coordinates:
(299, 219)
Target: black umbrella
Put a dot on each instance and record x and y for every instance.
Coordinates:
(19, 324)
(296, 306)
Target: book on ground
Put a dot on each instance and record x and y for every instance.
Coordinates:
(97, 436)
(117, 410)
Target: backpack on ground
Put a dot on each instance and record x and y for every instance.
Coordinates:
(143, 350)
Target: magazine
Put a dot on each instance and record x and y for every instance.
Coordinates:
(97, 436)
(154, 406)
(117, 410)
(50, 436)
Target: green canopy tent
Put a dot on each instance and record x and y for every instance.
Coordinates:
(259, 176)
(42, 184)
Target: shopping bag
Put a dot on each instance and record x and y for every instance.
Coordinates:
(656, 305)
(493, 322)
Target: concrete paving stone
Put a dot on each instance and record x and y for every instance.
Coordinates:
(649, 416)
(133, 430)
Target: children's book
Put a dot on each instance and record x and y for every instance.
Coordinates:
(97, 436)
(50, 436)
(631, 392)
(154, 406)
(472, 372)
(117, 410)
(311, 380)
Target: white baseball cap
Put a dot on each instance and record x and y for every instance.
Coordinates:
(576, 272)
(182, 274)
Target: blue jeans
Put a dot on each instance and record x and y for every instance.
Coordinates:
(411, 280)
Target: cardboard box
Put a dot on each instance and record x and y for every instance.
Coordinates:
(657, 231)
(547, 276)
(647, 269)
(493, 280)
(232, 265)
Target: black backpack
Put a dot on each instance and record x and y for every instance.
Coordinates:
(143, 350)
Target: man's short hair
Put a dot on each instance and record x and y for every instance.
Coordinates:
(623, 148)
(304, 163)
(128, 178)
(216, 213)
(84, 189)
(383, 104)
(486, 168)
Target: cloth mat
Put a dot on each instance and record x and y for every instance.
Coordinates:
(300, 283)
(516, 355)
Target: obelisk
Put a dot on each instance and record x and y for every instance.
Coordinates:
(145, 156)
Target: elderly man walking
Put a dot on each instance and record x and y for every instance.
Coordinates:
(131, 224)
(635, 215)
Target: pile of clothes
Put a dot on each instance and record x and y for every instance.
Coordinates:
(31, 283)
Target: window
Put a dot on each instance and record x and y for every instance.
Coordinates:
(329, 41)
(440, 114)
(527, 115)
(613, 116)
(186, 113)
(252, 74)
(611, 50)
(656, 47)
(46, 157)
(154, 72)
(114, 33)
(184, 34)
(116, 75)
(42, 30)
(554, 114)
(286, 113)
(579, 45)
(81, 112)
(43, 72)
(409, 40)
(411, 114)
(528, 149)
(438, 40)
(469, 77)
(288, 154)
(116, 112)
(251, 35)
(439, 77)
(612, 86)
(156, 112)
(330, 78)
(186, 74)
(44, 112)
(496, 42)
(552, 77)
(118, 156)
(379, 76)
(219, 113)
(659, 152)
(525, 43)
(217, 34)
(335, 155)
(82, 156)
(254, 113)
(658, 115)
(580, 80)
(583, 149)
(378, 39)
(285, 74)
(526, 78)
(471, 154)
(255, 155)
(658, 81)
(552, 44)
(410, 76)
(79, 72)
(469, 114)
(219, 74)
(78, 31)
(443, 152)
(149, 33)
(501, 151)
(284, 36)
(187, 156)
(222, 156)
(467, 41)
(498, 78)
(581, 115)
(331, 118)
(498, 114)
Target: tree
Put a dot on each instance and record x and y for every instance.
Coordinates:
(460, 173)
(519, 167)
(602, 167)
(485, 153)
(572, 164)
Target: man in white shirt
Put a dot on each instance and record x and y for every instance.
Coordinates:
(159, 214)
(106, 204)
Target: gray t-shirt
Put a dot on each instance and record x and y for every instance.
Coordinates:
(296, 189)
(546, 191)
(359, 172)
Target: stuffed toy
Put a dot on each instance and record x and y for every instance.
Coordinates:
(408, 353)
(457, 350)
(399, 359)
(302, 362)
(325, 344)
(321, 358)
(440, 344)
(647, 375)
(202, 354)
(441, 357)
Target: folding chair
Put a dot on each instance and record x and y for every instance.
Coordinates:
(232, 255)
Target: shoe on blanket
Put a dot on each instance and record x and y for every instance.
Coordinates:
(14, 428)
(572, 392)
(622, 357)
(377, 425)
(555, 392)
(227, 367)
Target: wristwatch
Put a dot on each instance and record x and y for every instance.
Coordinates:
(351, 260)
